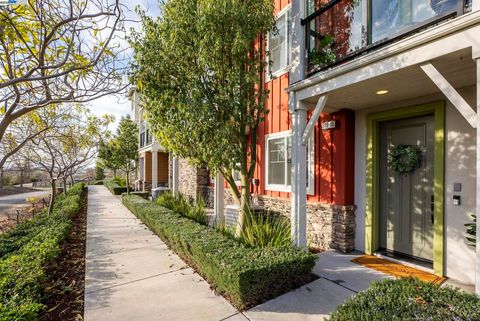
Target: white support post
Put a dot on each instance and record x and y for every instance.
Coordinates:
(299, 175)
(154, 169)
(175, 176)
(219, 194)
(477, 267)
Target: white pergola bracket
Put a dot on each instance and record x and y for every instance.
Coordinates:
(322, 101)
(451, 93)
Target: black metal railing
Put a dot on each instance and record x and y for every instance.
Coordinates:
(340, 30)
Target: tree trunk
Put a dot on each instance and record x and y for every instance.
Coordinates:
(64, 179)
(128, 182)
(71, 180)
(52, 197)
(245, 208)
(1, 177)
(114, 172)
(21, 178)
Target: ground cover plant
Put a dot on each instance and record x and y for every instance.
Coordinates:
(181, 205)
(116, 186)
(407, 300)
(26, 250)
(244, 275)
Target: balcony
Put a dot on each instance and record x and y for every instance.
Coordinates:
(145, 138)
(340, 30)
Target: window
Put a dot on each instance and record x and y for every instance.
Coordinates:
(279, 162)
(279, 43)
(395, 16)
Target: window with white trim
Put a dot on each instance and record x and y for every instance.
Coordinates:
(279, 43)
(278, 154)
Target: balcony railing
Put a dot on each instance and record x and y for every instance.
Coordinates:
(339, 30)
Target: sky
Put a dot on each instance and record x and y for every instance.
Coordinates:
(119, 106)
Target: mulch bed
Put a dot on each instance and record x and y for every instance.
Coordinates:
(65, 287)
(11, 217)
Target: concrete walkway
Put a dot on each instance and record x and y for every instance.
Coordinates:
(132, 275)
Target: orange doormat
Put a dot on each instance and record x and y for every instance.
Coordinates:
(397, 270)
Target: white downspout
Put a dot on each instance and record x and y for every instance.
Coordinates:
(477, 267)
(175, 176)
(219, 199)
(154, 169)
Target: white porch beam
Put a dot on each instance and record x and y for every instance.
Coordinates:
(477, 267)
(175, 176)
(299, 175)
(313, 120)
(154, 169)
(450, 93)
(219, 194)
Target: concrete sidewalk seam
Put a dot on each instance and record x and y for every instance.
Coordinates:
(138, 280)
(339, 284)
(124, 250)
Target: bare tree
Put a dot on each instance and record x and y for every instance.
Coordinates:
(67, 147)
(57, 51)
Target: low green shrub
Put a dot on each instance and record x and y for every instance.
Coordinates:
(472, 231)
(144, 195)
(97, 182)
(409, 299)
(115, 186)
(181, 205)
(246, 276)
(25, 252)
(266, 230)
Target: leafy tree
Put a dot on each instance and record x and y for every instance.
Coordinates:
(109, 156)
(99, 172)
(126, 145)
(199, 68)
(57, 51)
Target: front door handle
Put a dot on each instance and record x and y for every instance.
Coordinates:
(432, 208)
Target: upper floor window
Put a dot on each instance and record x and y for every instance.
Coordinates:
(279, 162)
(393, 16)
(337, 30)
(279, 43)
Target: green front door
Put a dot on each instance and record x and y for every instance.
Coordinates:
(406, 200)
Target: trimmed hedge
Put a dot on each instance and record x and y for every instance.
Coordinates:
(114, 187)
(246, 276)
(144, 195)
(409, 299)
(26, 250)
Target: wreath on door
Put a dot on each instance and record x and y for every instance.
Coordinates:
(404, 158)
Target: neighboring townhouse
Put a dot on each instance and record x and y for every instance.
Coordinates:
(153, 166)
(370, 141)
